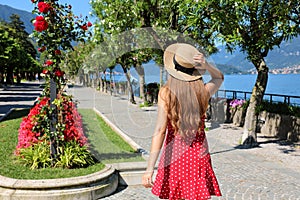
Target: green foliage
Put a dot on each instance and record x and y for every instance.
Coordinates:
(17, 50)
(36, 156)
(74, 156)
(279, 108)
(146, 104)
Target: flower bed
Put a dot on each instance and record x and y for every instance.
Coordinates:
(34, 140)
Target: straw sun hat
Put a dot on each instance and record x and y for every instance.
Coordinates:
(179, 62)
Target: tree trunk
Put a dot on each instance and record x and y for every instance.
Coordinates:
(1, 75)
(249, 138)
(161, 74)
(131, 96)
(111, 83)
(10, 76)
(141, 72)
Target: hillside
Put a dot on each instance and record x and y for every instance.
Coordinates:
(287, 55)
(26, 17)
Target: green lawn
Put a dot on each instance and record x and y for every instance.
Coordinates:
(105, 145)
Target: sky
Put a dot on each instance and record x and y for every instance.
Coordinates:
(78, 6)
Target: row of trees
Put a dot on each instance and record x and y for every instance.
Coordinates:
(254, 26)
(17, 52)
(130, 33)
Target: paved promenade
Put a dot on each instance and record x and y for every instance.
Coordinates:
(18, 96)
(269, 172)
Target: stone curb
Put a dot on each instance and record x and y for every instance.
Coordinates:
(92, 186)
(134, 145)
(6, 114)
(56, 183)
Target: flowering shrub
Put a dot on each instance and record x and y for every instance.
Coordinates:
(237, 103)
(53, 127)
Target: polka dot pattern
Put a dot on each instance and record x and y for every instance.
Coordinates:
(185, 169)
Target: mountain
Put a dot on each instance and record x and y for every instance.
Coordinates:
(287, 55)
(26, 17)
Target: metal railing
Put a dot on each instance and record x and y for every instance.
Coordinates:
(234, 94)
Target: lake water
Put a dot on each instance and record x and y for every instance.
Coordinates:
(283, 84)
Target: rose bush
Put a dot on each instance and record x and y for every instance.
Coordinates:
(54, 123)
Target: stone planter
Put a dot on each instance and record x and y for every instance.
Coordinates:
(269, 124)
(280, 126)
(89, 187)
(238, 117)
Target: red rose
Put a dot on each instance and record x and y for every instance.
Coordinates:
(59, 73)
(84, 27)
(57, 52)
(40, 24)
(44, 7)
(45, 71)
(49, 62)
(42, 49)
(89, 24)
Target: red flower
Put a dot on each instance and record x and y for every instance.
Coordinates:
(44, 7)
(59, 73)
(45, 71)
(57, 52)
(49, 62)
(89, 24)
(84, 27)
(40, 24)
(42, 49)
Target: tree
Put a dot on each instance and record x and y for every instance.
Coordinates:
(256, 27)
(7, 43)
(18, 53)
(56, 28)
(156, 18)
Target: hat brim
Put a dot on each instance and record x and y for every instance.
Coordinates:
(170, 66)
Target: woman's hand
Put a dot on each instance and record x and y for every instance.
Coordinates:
(147, 179)
(200, 61)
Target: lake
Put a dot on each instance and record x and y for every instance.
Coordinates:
(283, 84)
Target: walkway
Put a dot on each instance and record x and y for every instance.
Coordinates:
(18, 96)
(271, 171)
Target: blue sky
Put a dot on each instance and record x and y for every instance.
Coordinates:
(79, 6)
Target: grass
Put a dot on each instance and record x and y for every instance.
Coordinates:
(105, 145)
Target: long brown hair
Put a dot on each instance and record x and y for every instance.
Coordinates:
(186, 103)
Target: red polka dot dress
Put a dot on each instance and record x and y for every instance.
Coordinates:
(185, 170)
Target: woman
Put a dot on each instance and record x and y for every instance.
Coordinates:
(184, 170)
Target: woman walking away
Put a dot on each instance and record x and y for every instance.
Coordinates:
(184, 170)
